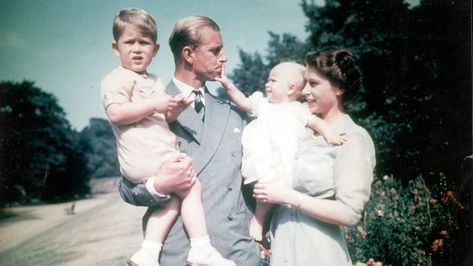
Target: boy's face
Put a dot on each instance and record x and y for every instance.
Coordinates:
(135, 50)
(277, 86)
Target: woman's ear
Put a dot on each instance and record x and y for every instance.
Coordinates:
(187, 54)
(339, 92)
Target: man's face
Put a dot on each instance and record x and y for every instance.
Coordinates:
(209, 56)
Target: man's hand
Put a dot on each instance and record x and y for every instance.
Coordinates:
(176, 174)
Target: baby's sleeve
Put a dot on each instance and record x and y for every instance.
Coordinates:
(257, 101)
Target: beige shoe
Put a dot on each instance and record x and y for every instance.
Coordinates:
(142, 259)
(212, 258)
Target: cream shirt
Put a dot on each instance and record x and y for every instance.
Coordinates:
(144, 145)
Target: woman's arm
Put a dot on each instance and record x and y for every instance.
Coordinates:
(353, 174)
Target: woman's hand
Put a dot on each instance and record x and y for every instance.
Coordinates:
(273, 193)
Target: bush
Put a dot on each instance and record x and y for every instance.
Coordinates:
(412, 224)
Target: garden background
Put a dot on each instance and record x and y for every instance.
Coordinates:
(416, 103)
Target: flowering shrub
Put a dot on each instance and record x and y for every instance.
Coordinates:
(412, 225)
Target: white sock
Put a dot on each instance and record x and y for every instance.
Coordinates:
(152, 248)
(202, 243)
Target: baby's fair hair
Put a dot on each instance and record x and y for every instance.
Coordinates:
(295, 74)
(137, 17)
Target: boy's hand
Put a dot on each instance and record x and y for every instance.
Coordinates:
(161, 104)
(176, 105)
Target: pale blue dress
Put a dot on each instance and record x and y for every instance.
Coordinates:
(340, 173)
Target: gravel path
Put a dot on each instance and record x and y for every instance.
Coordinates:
(103, 231)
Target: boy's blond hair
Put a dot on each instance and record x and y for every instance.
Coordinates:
(137, 17)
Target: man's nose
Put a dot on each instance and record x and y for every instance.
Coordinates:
(222, 57)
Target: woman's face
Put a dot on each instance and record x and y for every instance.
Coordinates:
(321, 95)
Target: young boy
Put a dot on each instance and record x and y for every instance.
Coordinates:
(139, 109)
(270, 142)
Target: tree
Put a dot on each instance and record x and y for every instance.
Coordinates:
(99, 145)
(39, 155)
(410, 99)
(252, 74)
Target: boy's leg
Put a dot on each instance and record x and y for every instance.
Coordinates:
(193, 217)
(161, 220)
(192, 211)
(157, 228)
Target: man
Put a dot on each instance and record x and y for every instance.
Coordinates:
(213, 140)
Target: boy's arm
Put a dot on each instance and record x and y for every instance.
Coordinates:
(176, 106)
(130, 112)
(321, 127)
(236, 96)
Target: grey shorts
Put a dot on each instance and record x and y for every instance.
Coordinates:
(138, 194)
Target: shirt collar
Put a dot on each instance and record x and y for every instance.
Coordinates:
(187, 90)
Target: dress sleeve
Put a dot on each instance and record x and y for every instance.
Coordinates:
(353, 174)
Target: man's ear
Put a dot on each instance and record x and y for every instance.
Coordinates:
(187, 54)
(115, 48)
(156, 49)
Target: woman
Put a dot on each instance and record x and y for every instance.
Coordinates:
(331, 183)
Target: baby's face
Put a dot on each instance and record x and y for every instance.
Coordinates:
(135, 50)
(277, 86)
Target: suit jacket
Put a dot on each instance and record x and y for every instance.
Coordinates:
(216, 151)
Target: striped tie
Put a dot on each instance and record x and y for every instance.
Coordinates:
(198, 104)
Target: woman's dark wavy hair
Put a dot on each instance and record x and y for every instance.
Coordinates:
(339, 66)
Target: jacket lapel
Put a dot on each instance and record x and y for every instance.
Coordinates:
(216, 119)
(188, 119)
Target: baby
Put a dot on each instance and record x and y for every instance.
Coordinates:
(139, 109)
(270, 142)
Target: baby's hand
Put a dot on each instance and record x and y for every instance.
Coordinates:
(176, 105)
(223, 79)
(337, 139)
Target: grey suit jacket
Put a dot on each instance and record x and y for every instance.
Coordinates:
(215, 148)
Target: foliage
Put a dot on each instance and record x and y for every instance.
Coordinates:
(416, 104)
(100, 149)
(39, 155)
(252, 74)
(413, 225)
(410, 101)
